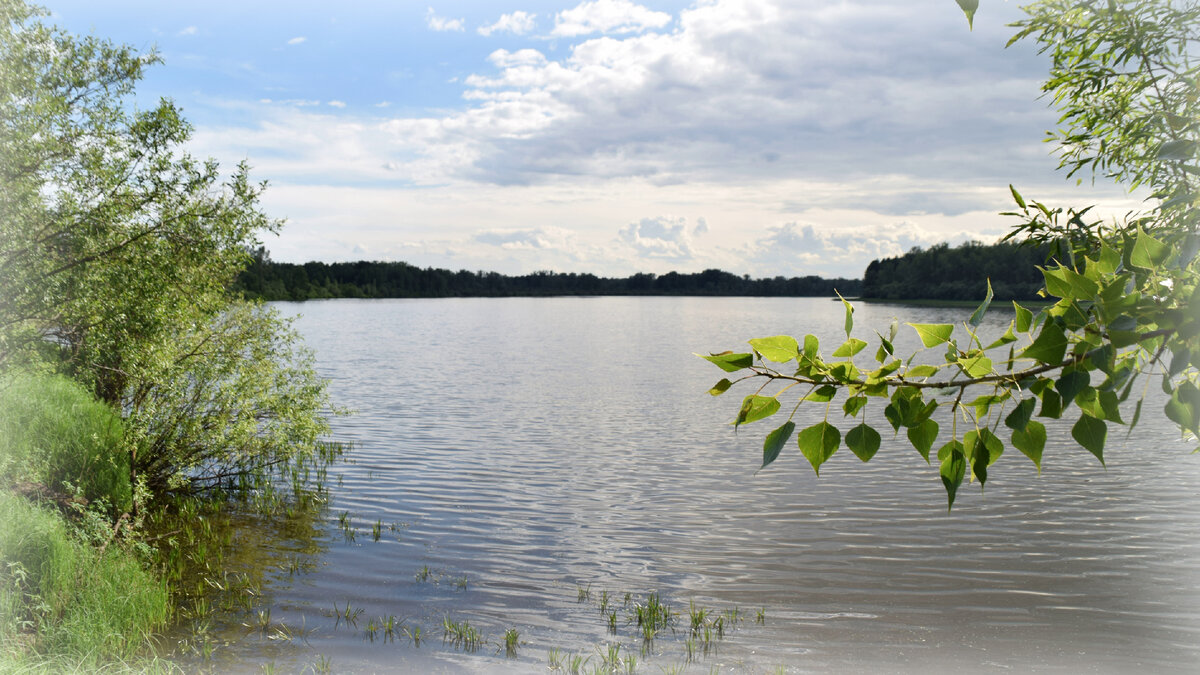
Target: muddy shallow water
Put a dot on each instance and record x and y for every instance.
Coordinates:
(520, 454)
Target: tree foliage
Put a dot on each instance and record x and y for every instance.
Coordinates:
(942, 272)
(270, 280)
(1124, 292)
(117, 251)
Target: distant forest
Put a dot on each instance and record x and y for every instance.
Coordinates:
(268, 280)
(937, 273)
(959, 273)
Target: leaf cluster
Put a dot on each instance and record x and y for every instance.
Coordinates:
(1123, 295)
(117, 252)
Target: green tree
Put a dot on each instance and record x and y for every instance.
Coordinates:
(117, 251)
(1124, 292)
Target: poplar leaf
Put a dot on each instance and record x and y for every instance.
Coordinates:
(755, 408)
(775, 441)
(1070, 384)
(818, 443)
(720, 387)
(822, 394)
(1019, 418)
(778, 348)
(953, 469)
(933, 334)
(920, 371)
(853, 405)
(1007, 338)
(1024, 320)
(1031, 441)
(976, 366)
(850, 347)
(977, 317)
(849, 314)
(863, 441)
(1148, 252)
(1091, 433)
(1049, 347)
(922, 437)
(730, 362)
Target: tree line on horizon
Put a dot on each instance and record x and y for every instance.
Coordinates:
(940, 272)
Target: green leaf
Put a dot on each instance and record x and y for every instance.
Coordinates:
(778, 348)
(822, 394)
(1052, 406)
(922, 437)
(1031, 441)
(811, 347)
(850, 347)
(1091, 433)
(983, 404)
(818, 443)
(853, 405)
(1070, 384)
(849, 314)
(977, 317)
(920, 371)
(863, 441)
(720, 387)
(1016, 195)
(775, 441)
(1024, 320)
(968, 8)
(1020, 416)
(1064, 282)
(1100, 404)
(755, 408)
(1181, 150)
(1008, 338)
(976, 366)
(985, 444)
(1148, 252)
(1184, 407)
(1049, 347)
(933, 334)
(1109, 259)
(730, 362)
(892, 413)
(953, 469)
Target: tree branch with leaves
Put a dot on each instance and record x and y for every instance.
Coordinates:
(1123, 293)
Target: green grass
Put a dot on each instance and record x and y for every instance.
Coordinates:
(73, 596)
(65, 601)
(54, 432)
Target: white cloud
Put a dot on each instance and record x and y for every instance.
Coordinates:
(383, 104)
(336, 104)
(555, 238)
(662, 237)
(517, 23)
(442, 24)
(783, 138)
(607, 16)
(796, 249)
(190, 30)
(297, 40)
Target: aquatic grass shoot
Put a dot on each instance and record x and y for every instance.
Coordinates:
(461, 635)
(511, 638)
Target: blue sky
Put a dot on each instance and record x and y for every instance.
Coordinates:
(766, 137)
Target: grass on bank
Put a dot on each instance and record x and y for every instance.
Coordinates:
(55, 435)
(71, 597)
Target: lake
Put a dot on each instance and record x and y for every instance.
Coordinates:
(531, 460)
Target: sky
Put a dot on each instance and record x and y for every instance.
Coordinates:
(762, 137)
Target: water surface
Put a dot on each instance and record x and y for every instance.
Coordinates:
(516, 450)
